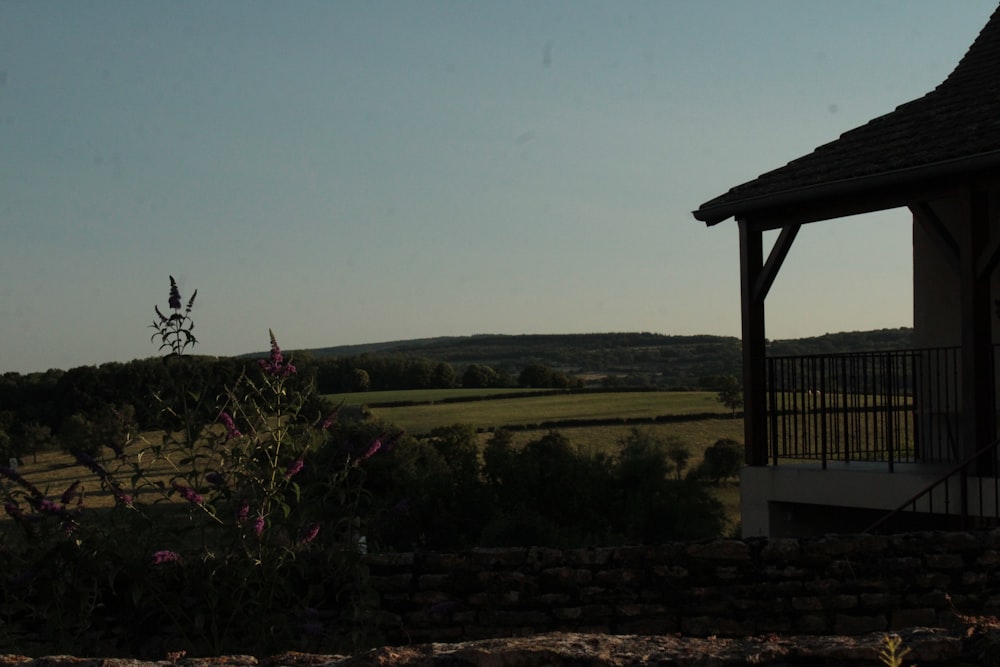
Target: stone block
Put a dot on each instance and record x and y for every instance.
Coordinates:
(389, 560)
(781, 550)
(540, 557)
(949, 561)
(509, 556)
(733, 550)
(619, 577)
(812, 624)
(391, 583)
(845, 624)
(567, 613)
(879, 601)
(566, 576)
(807, 604)
(913, 618)
(432, 581)
(670, 571)
(595, 556)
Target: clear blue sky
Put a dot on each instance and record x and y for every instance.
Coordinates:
(358, 171)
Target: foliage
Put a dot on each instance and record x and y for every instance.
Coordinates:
(722, 461)
(890, 654)
(439, 494)
(731, 394)
(252, 544)
(540, 376)
(175, 331)
(679, 454)
(478, 376)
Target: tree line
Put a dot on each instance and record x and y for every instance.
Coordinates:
(82, 406)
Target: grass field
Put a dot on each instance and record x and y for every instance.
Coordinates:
(422, 418)
(52, 471)
(421, 395)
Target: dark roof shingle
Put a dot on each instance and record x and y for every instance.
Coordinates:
(957, 120)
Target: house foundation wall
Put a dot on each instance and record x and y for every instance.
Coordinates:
(804, 499)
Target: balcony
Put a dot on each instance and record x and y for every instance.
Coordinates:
(886, 407)
(862, 437)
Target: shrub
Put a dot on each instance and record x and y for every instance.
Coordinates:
(245, 546)
(722, 461)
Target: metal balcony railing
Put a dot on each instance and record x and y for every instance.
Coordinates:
(889, 406)
(966, 496)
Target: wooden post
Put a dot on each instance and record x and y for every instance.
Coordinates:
(977, 325)
(754, 367)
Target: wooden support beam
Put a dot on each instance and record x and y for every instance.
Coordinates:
(977, 326)
(754, 362)
(990, 255)
(936, 229)
(774, 260)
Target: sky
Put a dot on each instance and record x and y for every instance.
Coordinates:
(358, 171)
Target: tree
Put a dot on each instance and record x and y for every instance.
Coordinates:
(723, 460)
(36, 436)
(419, 374)
(360, 380)
(537, 376)
(679, 454)
(478, 376)
(731, 394)
(444, 375)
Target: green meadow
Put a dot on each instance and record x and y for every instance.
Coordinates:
(425, 410)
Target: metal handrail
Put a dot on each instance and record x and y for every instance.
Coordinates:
(891, 406)
(962, 468)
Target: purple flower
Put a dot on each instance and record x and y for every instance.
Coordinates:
(175, 295)
(309, 533)
(389, 444)
(293, 468)
(13, 510)
(258, 525)
(187, 493)
(243, 511)
(328, 422)
(231, 430)
(275, 366)
(121, 497)
(373, 447)
(166, 556)
(45, 506)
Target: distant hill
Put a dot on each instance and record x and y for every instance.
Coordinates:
(645, 358)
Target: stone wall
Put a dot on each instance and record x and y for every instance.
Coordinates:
(844, 585)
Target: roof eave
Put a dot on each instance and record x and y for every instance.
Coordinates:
(863, 185)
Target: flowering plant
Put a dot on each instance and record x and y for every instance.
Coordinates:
(175, 330)
(237, 531)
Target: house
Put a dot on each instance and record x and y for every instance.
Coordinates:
(839, 443)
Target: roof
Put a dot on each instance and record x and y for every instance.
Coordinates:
(953, 129)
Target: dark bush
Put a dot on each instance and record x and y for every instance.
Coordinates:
(722, 461)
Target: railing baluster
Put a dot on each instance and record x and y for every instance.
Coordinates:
(891, 406)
